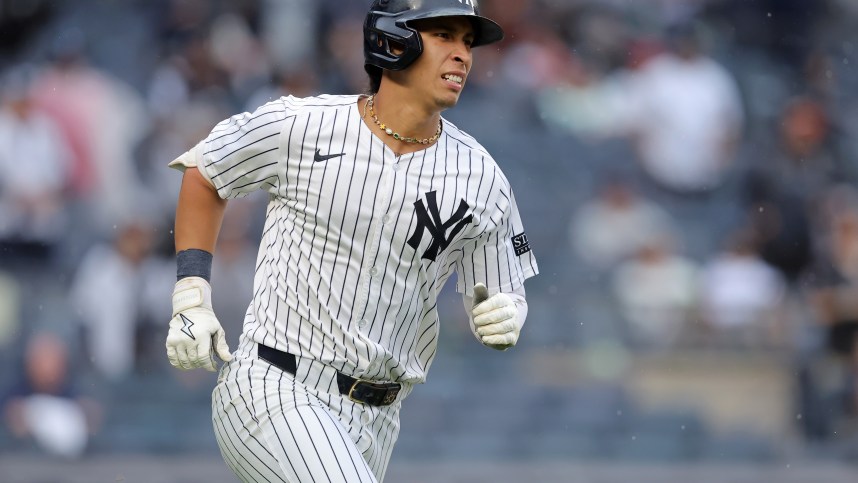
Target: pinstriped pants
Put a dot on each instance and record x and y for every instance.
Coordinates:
(272, 426)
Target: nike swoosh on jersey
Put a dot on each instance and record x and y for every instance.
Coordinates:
(324, 157)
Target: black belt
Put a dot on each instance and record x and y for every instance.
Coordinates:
(358, 390)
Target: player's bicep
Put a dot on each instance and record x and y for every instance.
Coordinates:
(500, 258)
(199, 213)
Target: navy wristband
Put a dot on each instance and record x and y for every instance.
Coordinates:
(194, 263)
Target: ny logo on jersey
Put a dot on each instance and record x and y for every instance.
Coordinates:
(431, 220)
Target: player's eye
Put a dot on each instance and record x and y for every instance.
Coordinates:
(443, 35)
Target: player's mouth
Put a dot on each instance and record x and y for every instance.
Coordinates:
(454, 80)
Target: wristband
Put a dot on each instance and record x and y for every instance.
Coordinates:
(194, 263)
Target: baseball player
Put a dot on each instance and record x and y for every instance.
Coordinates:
(375, 200)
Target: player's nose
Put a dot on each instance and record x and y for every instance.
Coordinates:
(462, 54)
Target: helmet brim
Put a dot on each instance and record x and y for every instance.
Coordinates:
(486, 32)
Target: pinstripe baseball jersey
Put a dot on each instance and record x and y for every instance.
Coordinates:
(358, 241)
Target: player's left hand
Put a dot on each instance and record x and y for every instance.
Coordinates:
(495, 318)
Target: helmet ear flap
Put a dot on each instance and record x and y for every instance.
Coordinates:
(390, 44)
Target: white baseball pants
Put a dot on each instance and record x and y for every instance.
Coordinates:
(272, 426)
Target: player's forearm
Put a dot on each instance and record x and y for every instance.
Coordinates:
(199, 213)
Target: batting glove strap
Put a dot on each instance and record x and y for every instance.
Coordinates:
(191, 292)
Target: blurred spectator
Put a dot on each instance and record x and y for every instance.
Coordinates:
(657, 293)
(788, 181)
(584, 104)
(834, 297)
(102, 119)
(116, 294)
(34, 168)
(616, 224)
(44, 406)
(804, 162)
(685, 113)
(741, 297)
(588, 95)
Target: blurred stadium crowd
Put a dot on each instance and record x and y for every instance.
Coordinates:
(686, 171)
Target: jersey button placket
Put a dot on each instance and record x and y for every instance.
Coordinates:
(375, 238)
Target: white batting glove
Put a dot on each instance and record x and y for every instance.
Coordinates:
(195, 334)
(495, 318)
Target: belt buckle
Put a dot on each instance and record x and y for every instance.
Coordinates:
(391, 391)
(352, 390)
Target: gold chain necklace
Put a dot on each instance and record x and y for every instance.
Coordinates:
(370, 102)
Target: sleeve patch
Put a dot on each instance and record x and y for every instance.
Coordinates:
(520, 244)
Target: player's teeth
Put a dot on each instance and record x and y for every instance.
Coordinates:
(454, 78)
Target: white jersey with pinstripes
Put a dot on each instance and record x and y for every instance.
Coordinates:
(358, 241)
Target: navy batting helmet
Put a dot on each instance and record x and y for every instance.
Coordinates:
(387, 21)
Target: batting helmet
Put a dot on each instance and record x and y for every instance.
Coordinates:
(388, 21)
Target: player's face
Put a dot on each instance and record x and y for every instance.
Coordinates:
(442, 69)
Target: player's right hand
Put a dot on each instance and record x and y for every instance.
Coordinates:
(195, 334)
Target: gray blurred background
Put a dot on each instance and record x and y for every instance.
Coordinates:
(685, 169)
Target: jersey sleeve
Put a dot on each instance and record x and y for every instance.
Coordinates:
(242, 153)
(501, 256)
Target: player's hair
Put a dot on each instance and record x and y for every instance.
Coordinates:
(374, 74)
